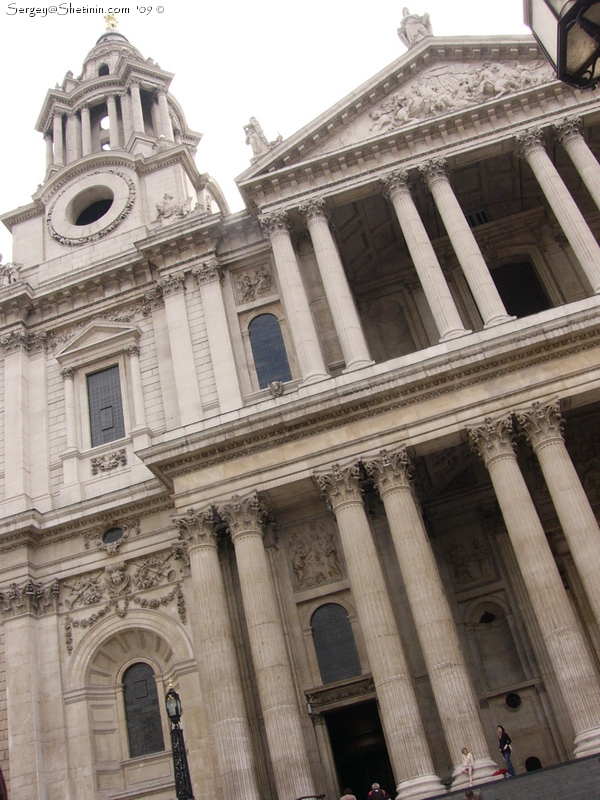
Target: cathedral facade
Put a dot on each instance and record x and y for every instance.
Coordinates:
(328, 466)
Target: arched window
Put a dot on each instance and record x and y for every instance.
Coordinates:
(142, 711)
(532, 763)
(334, 642)
(268, 349)
(103, 70)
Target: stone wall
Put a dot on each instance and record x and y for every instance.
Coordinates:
(3, 720)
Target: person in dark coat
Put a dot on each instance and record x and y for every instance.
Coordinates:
(504, 742)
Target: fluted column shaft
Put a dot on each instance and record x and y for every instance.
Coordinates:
(291, 767)
(127, 116)
(166, 128)
(113, 121)
(293, 292)
(136, 107)
(86, 131)
(448, 674)
(57, 138)
(570, 137)
(543, 426)
(569, 217)
(216, 643)
(567, 652)
(465, 246)
(49, 150)
(337, 289)
(73, 137)
(437, 292)
(209, 277)
(398, 706)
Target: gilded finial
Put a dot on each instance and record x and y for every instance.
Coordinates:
(111, 22)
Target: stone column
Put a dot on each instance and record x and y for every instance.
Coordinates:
(86, 130)
(562, 637)
(543, 427)
(570, 218)
(137, 391)
(136, 107)
(437, 292)
(17, 490)
(568, 134)
(70, 454)
(295, 300)
(217, 648)
(291, 767)
(166, 128)
(209, 276)
(57, 139)
(126, 114)
(182, 352)
(398, 706)
(113, 121)
(448, 674)
(465, 246)
(73, 137)
(49, 150)
(337, 289)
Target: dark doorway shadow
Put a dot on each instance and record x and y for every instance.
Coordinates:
(359, 749)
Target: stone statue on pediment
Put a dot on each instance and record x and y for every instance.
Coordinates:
(9, 272)
(414, 27)
(255, 137)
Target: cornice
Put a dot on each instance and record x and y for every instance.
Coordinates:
(399, 388)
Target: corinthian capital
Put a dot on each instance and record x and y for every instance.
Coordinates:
(244, 515)
(198, 528)
(274, 222)
(391, 470)
(208, 272)
(314, 209)
(172, 284)
(529, 140)
(340, 484)
(434, 170)
(542, 424)
(394, 182)
(567, 129)
(492, 439)
(15, 340)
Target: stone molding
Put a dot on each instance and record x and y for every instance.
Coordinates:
(493, 439)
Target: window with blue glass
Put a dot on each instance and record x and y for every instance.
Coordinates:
(142, 711)
(105, 406)
(268, 349)
(334, 643)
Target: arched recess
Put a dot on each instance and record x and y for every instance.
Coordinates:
(95, 703)
(268, 350)
(494, 645)
(334, 643)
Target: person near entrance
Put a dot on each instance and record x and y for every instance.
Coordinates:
(348, 795)
(504, 745)
(377, 793)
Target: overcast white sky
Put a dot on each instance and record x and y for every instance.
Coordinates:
(282, 61)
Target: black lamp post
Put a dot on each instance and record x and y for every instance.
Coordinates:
(568, 31)
(183, 784)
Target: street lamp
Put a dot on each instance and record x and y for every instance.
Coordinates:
(568, 31)
(183, 784)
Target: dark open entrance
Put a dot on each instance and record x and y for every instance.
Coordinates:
(359, 749)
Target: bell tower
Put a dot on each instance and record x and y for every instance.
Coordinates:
(119, 161)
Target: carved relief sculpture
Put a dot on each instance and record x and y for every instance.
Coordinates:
(314, 555)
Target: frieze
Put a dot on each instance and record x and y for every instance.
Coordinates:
(314, 555)
(116, 588)
(109, 462)
(451, 87)
(249, 287)
(327, 697)
(32, 597)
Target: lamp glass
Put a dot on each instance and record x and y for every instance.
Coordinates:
(173, 704)
(544, 24)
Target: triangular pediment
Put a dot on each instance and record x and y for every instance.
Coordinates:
(98, 340)
(435, 83)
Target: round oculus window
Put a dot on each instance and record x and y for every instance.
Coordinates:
(91, 207)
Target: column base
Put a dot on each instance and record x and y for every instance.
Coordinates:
(498, 320)
(587, 743)
(454, 333)
(419, 788)
(483, 772)
(315, 378)
(354, 365)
